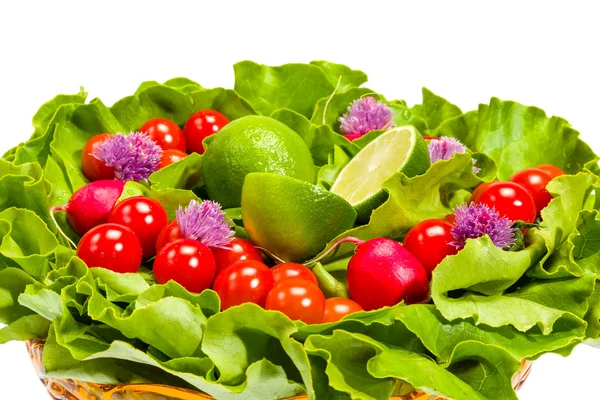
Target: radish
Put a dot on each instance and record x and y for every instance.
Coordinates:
(90, 205)
(383, 273)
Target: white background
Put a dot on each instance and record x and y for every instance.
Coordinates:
(535, 52)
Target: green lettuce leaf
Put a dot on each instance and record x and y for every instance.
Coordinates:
(517, 137)
(435, 110)
(321, 140)
(341, 76)
(294, 86)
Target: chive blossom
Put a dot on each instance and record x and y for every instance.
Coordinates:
(365, 115)
(134, 157)
(444, 148)
(205, 222)
(476, 220)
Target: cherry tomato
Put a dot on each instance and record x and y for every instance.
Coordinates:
(168, 234)
(353, 136)
(201, 125)
(187, 262)
(479, 191)
(451, 219)
(299, 299)
(553, 170)
(534, 180)
(245, 281)
(94, 169)
(238, 250)
(146, 217)
(429, 241)
(171, 156)
(511, 200)
(338, 307)
(165, 133)
(291, 270)
(111, 246)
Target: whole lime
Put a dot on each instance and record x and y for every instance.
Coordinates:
(253, 144)
(292, 219)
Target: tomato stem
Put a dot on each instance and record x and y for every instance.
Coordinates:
(334, 246)
(60, 208)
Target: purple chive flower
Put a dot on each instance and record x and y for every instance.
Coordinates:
(476, 220)
(366, 115)
(444, 147)
(134, 157)
(205, 222)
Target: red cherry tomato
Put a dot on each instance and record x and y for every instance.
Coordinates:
(169, 234)
(553, 170)
(429, 241)
(534, 180)
(479, 191)
(201, 125)
(165, 133)
(187, 262)
(245, 281)
(111, 246)
(337, 308)
(146, 217)
(94, 169)
(291, 270)
(451, 219)
(171, 156)
(511, 200)
(299, 299)
(238, 250)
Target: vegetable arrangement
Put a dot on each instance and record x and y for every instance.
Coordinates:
(232, 240)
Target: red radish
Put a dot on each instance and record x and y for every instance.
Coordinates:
(383, 273)
(145, 216)
(337, 308)
(171, 156)
(245, 281)
(188, 262)
(201, 125)
(238, 249)
(90, 205)
(93, 168)
(165, 133)
(290, 270)
(169, 233)
(111, 246)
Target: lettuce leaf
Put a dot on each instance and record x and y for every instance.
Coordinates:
(294, 86)
(320, 139)
(517, 137)
(341, 76)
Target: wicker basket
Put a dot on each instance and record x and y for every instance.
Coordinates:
(69, 389)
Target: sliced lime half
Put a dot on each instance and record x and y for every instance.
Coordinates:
(400, 149)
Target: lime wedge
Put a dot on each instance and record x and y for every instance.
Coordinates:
(400, 149)
(290, 218)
